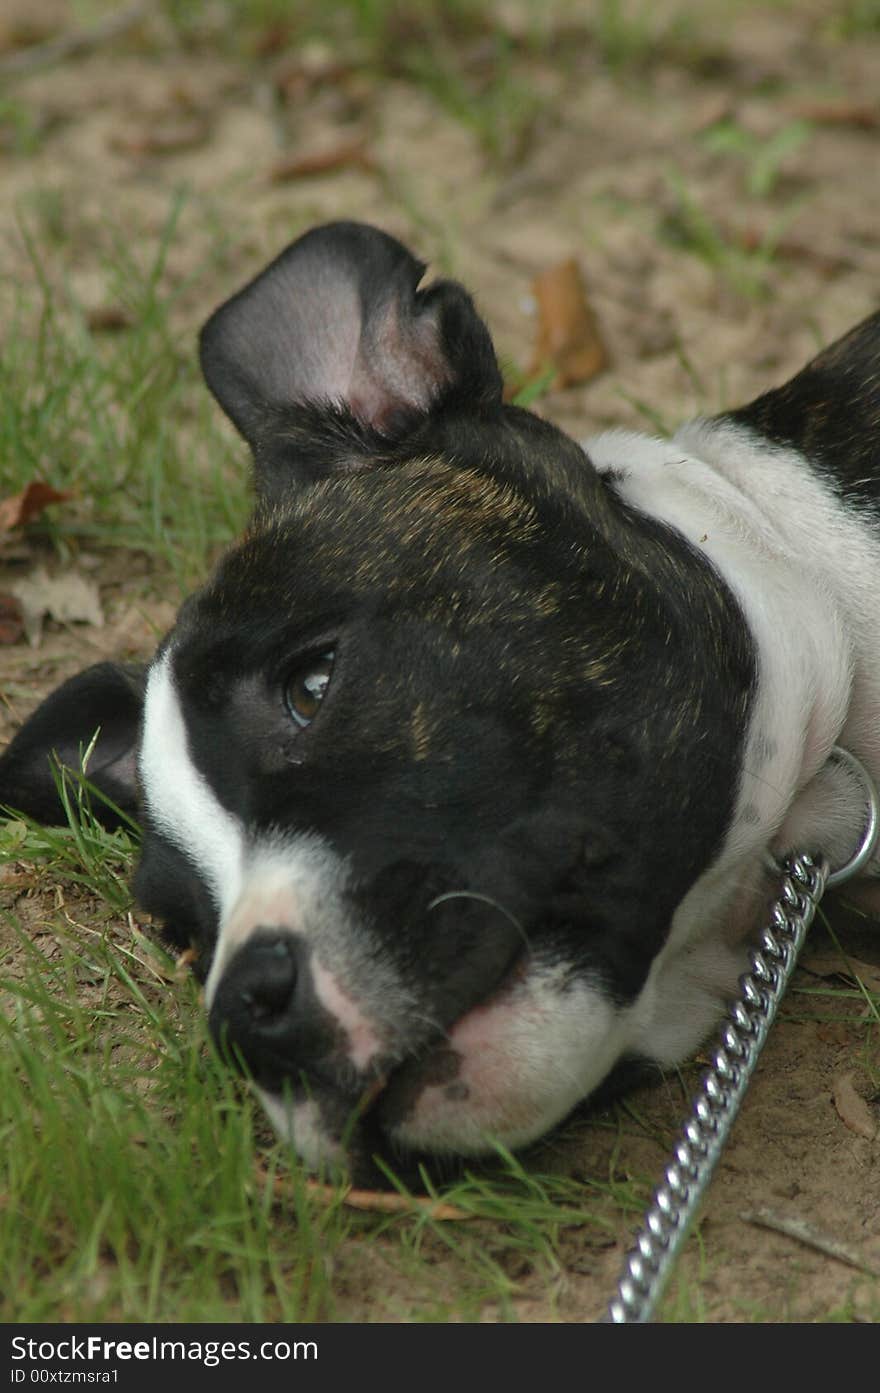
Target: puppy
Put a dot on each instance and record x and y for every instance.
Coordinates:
(465, 771)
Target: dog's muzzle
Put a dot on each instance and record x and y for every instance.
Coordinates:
(340, 1086)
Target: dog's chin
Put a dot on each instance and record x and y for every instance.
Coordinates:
(422, 1115)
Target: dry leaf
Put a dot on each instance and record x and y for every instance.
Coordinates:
(11, 619)
(108, 319)
(350, 154)
(568, 335)
(313, 64)
(69, 598)
(296, 79)
(21, 32)
(21, 508)
(852, 1109)
(832, 965)
(825, 260)
(162, 140)
(861, 115)
(273, 39)
(837, 1033)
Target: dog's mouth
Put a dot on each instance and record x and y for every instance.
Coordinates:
(356, 1132)
(391, 1098)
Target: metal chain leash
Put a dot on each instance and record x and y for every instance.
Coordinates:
(701, 1141)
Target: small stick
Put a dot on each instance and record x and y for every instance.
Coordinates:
(802, 1232)
(384, 1201)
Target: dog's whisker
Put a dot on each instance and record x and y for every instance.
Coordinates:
(484, 899)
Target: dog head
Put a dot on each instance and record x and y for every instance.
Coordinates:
(429, 767)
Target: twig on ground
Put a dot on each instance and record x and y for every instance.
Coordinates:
(380, 1201)
(802, 1232)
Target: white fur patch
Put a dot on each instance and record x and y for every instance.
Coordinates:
(298, 1122)
(291, 884)
(834, 554)
(364, 1041)
(182, 805)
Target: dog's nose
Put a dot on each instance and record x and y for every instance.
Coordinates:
(265, 1012)
(264, 980)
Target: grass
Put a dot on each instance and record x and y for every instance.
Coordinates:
(762, 158)
(131, 1188)
(121, 419)
(632, 33)
(855, 18)
(744, 261)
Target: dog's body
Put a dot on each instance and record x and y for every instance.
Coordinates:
(465, 770)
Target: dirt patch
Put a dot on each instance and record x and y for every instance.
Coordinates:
(714, 271)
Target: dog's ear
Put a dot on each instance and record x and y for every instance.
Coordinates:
(108, 698)
(830, 411)
(333, 350)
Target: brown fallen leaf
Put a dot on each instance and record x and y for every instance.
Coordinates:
(568, 334)
(296, 78)
(851, 1107)
(108, 319)
(162, 140)
(850, 969)
(864, 116)
(22, 32)
(11, 619)
(837, 1033)
(21, 508)
(349, 154)
(17, 875)
(69, 598)
(826, 261)
(273, 39)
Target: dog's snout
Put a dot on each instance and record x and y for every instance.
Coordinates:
(265, 1012)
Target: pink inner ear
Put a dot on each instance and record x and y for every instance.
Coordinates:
(397, 367)
(315, 344)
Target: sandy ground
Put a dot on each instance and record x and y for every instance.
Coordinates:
(596, 174)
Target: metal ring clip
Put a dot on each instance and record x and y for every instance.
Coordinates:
(872, 824)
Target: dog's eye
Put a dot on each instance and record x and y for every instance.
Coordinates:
(307, 686)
